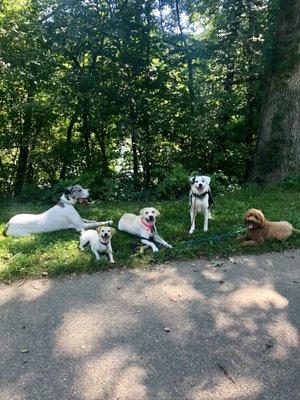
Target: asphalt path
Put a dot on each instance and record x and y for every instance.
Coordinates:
(222, 329)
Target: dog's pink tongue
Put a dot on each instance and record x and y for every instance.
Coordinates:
(250, 226)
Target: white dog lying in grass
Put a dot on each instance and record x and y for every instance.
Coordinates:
(143, 226)
(61, 216)
(99, 240)
(200, 199)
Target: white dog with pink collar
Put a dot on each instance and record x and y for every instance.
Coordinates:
(143, 225)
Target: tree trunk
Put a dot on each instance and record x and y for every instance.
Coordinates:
(135, 163)
(188, 57)
(86, 135)
(101, 141)
(278, 147)
(24, 147)
(67, 155)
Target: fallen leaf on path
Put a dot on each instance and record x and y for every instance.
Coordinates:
(23, 351)
(167, 329)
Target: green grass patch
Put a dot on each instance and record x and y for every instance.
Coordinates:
(57, 254)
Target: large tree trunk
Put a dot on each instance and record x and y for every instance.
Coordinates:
(278, 147)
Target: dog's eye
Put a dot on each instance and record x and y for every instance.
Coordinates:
(147, 212)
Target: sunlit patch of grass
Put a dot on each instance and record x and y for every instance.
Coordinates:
(57, 253)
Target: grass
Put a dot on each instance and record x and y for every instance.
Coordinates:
(57, 254)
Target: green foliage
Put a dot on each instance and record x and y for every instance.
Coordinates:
(174, 184)
(57, 254)
(125, 98)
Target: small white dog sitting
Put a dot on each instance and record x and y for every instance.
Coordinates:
(143, 225)
(99, 240)
(200, 199)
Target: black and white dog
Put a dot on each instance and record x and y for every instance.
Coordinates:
(200, 199)
(61, 216)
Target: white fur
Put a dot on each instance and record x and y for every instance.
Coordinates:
(133, 224)
(199, 185)
(54, 219)
(93, 237)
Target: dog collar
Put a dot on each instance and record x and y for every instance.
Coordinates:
(104, 244)
(150, 227)
(200, 196)
(63, 201)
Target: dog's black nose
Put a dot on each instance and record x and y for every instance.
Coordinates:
(200, 185)
(105, 234)
(151, 218)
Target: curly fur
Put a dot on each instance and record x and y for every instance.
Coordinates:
(259, 229)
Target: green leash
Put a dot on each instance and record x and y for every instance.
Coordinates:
(215, 237)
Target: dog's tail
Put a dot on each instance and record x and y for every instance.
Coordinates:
(4, 233)
(296, 230)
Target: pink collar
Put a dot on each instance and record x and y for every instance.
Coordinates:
(149, 226)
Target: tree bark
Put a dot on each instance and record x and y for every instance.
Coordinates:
(86, 134)
(101, 141)
(67, 155)
(135, 163)
(24, 147)
(278, 147)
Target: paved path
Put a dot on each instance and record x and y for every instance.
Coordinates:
(179, 331)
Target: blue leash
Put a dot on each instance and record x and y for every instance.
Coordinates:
(215, 237)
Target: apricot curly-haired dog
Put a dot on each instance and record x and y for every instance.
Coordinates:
(259, 229)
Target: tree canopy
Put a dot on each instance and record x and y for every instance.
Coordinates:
(130, 95)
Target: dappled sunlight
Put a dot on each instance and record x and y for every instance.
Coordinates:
(157, 333)
(250, 262)
(6, 293)
(224, 321)
(223, 388)
(81, 330)
(39, 289)
(253, 295)
(169, 285)
(284, 335)
(115, 374)
(213, 274)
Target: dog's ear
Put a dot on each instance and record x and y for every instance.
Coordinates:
(192, 180)
(113, 231)
(98, 229)
(261, 217)
(207, 178)
(67, 193)
(157, 213)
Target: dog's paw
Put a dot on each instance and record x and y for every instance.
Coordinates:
(113, 262)
(205, 229)
(110, 222)
(191, 231)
